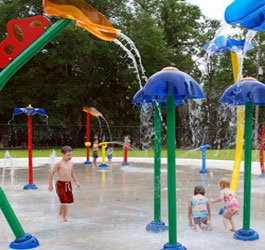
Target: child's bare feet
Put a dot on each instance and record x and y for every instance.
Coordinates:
(233, 230)
(197, 228)
(61, 218)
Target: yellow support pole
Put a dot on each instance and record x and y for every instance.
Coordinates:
(103, 149)
(240, 128)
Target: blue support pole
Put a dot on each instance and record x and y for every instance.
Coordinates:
(203, 149)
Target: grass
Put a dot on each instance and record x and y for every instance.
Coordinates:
(189, 154)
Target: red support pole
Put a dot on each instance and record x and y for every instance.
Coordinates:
(30, 148)
(125, 154)
(262, 140)
(87, 134)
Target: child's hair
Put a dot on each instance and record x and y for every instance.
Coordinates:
(199, 189)
(224, 183)
(66, 149)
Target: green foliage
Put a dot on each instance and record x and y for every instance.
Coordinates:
(77, 69)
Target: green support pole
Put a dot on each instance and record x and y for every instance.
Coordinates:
(246, 233)
(247, 169)
(157, 226)
(171, 170)
(10, 216)
(34, 48)
(157, 175)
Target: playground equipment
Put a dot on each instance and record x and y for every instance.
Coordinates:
(126, 145)
(156, 225)
(169, 85)
(77, 10)
(248, 13)
(220, 45)
(261, 158)
(89, 111)
(247, 92)
(21, 49)
(103, 149)
(23, 240)
(30, 111)
(85, 15)
(203, 149)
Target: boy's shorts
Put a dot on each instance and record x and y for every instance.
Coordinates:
(64, 192)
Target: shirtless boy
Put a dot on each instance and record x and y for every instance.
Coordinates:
(63, 185)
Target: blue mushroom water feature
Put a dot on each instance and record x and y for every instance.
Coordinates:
(248, 13)
(171, 85)
(247, 92)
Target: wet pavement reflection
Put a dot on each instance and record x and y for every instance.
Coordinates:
(114, 205)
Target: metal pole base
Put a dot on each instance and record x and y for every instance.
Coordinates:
(87, 163)
(156, 227)
(103, 165)
(246, 235)
(125, 164)
(30, 187)
(204, 171)
(176, 246)
(25, 242)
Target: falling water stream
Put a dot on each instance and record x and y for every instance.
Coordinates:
(146, 114)
(224, 113)
(110, 136)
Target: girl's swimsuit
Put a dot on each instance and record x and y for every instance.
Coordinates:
(231, 200)
(199, 209)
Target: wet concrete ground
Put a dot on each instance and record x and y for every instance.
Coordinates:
(113, 206)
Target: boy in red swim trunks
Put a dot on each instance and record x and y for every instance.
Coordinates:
(63, 186)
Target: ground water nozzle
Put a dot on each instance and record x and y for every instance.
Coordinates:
(203, 149)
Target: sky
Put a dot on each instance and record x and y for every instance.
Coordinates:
(214, 9)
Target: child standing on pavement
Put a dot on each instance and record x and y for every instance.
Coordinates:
(110, 153)
(95, 152)
(65, 171)
(231, 203)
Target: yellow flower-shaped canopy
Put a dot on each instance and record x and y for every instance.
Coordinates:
(85, 15)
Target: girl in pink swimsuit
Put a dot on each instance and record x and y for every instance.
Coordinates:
(231, 203)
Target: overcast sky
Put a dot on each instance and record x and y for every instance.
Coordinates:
(212, 8)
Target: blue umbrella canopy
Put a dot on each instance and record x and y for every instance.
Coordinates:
(171, 81)
(29, 111)
(246, 90)
(222, 44)
(139, 99)
(248, 13)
